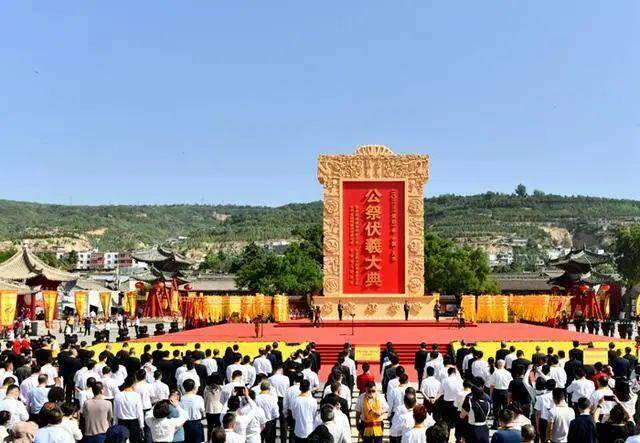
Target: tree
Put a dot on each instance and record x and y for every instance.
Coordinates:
(627, 255)
(521, 190)
(7, 254)
(455, 270)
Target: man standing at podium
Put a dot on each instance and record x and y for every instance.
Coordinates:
(406, 310)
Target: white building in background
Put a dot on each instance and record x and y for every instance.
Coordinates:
(84, 259)
(110, 260)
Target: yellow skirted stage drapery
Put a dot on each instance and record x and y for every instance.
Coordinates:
(497, 308)
(50, 301)
(236, 308)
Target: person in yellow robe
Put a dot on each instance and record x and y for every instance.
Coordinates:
(370, 409)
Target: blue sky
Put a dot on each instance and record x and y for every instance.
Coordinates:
(170, 102)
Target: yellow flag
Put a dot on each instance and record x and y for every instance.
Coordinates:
(175, 302)
(131, 302)
(50, 300)
(81, 303)
(105, 300)
(8, 300)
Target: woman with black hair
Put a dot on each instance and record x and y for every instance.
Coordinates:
(617, 427)
(476, 408)
(162, 427)
(51, 417)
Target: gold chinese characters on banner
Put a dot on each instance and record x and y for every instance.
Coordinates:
(105, 301)
(8, 300)
(130, 303)
(50, 300)
(81, 303)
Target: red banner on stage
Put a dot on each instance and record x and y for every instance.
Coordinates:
(373, 237)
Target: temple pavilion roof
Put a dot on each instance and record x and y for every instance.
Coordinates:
(163, 260)
(25, 265)
(580, 261)
(13, 286)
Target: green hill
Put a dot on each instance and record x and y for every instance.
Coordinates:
(488, 219)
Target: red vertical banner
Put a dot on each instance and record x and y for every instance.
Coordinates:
(373, 237)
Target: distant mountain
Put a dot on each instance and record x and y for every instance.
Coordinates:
(491, 220)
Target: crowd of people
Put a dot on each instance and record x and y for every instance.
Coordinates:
(66, 393)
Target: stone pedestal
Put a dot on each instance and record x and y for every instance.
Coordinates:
(376, 308)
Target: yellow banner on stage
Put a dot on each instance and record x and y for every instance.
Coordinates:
(50, 300)
(367, 353)
(105, 301)
(81, 303)
(175, 302)
(594, 355)
(8, 300)
(130, 303)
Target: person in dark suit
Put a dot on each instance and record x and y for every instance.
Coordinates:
(334, 394)
(502, 352)
(461, 354)
(387, 352)
(276, 353)
(620, 365)
(390, 372)
(633, 361)
(577, 352)
(340, 310)
(571, 366)
(520, 360)
(158, 354)
(406, 310)
(537, 357)
(420, 360)
(582, 429)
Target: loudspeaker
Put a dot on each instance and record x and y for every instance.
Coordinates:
(123, 335)
(159, 329)
(173, 327)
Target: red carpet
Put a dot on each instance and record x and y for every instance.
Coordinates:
(377, 333)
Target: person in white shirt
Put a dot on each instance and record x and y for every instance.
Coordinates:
(229, 424)
(280, 385)
(162, 427)
(543, 403)
(559, 418)
(423, 421)
(29, 383)
(85, 394)
(51, 416)
(580, 387)
(127, 411)
(342, 390)
(228, 389)
(435, 361)
(431, 388)
(308, 374)
(193, 404)
(451, 388)
(395, 396)
(327, 414)
(402, 421)
(556, 372)
(160, 390)
(509, 358)
(598, 397)
(235, 366)
(144, 389)
(262, 364)
(209, 362)
(69, 422)
(303, 410)
(188, 374)
(51, 372)
(499, 389)
(480, 368)
(38, 395)
(12, 404)
(111, 384)
(250, 419)
(249, 372)
(269, 404)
